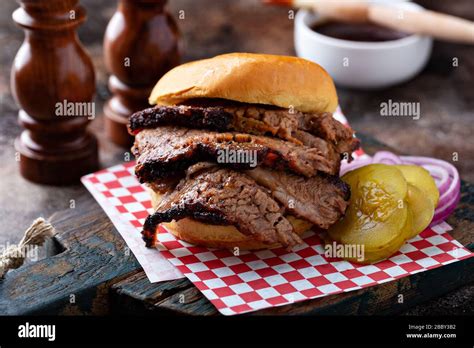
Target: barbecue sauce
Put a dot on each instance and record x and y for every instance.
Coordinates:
(365, 32)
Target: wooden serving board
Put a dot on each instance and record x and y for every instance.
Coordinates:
(95, 273)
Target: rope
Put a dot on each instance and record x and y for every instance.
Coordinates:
(14, 256)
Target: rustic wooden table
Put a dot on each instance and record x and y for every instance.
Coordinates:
(444, 91)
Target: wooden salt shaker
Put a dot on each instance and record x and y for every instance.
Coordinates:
(140, 45)
(53, 82)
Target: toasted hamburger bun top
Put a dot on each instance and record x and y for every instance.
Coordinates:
(287, 82)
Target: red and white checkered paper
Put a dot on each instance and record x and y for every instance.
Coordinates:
(261, 279)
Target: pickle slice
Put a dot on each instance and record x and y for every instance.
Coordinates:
(377, 212)
(422, 208)
(394, 246)
(421, 178)
(385, 252)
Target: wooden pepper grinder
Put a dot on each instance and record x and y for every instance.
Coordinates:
(140, 45)
(53, 82)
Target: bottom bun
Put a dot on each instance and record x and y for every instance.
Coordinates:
(219, 236)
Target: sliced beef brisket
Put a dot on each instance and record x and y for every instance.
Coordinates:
(248, 118)
(321, 200)
(165, 185)
(326, 127)
(224, 197)
(283, 162)
(167, 151)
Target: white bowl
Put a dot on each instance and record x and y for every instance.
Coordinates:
(370, 64)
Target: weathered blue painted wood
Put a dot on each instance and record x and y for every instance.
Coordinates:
(74, 281)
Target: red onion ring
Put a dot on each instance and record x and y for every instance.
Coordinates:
(444, 212)
(440, 175)
(454, 180)
(386, 157)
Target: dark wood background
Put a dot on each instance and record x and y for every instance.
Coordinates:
(212, 27)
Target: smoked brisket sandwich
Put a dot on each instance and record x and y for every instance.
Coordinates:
(241, 150)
